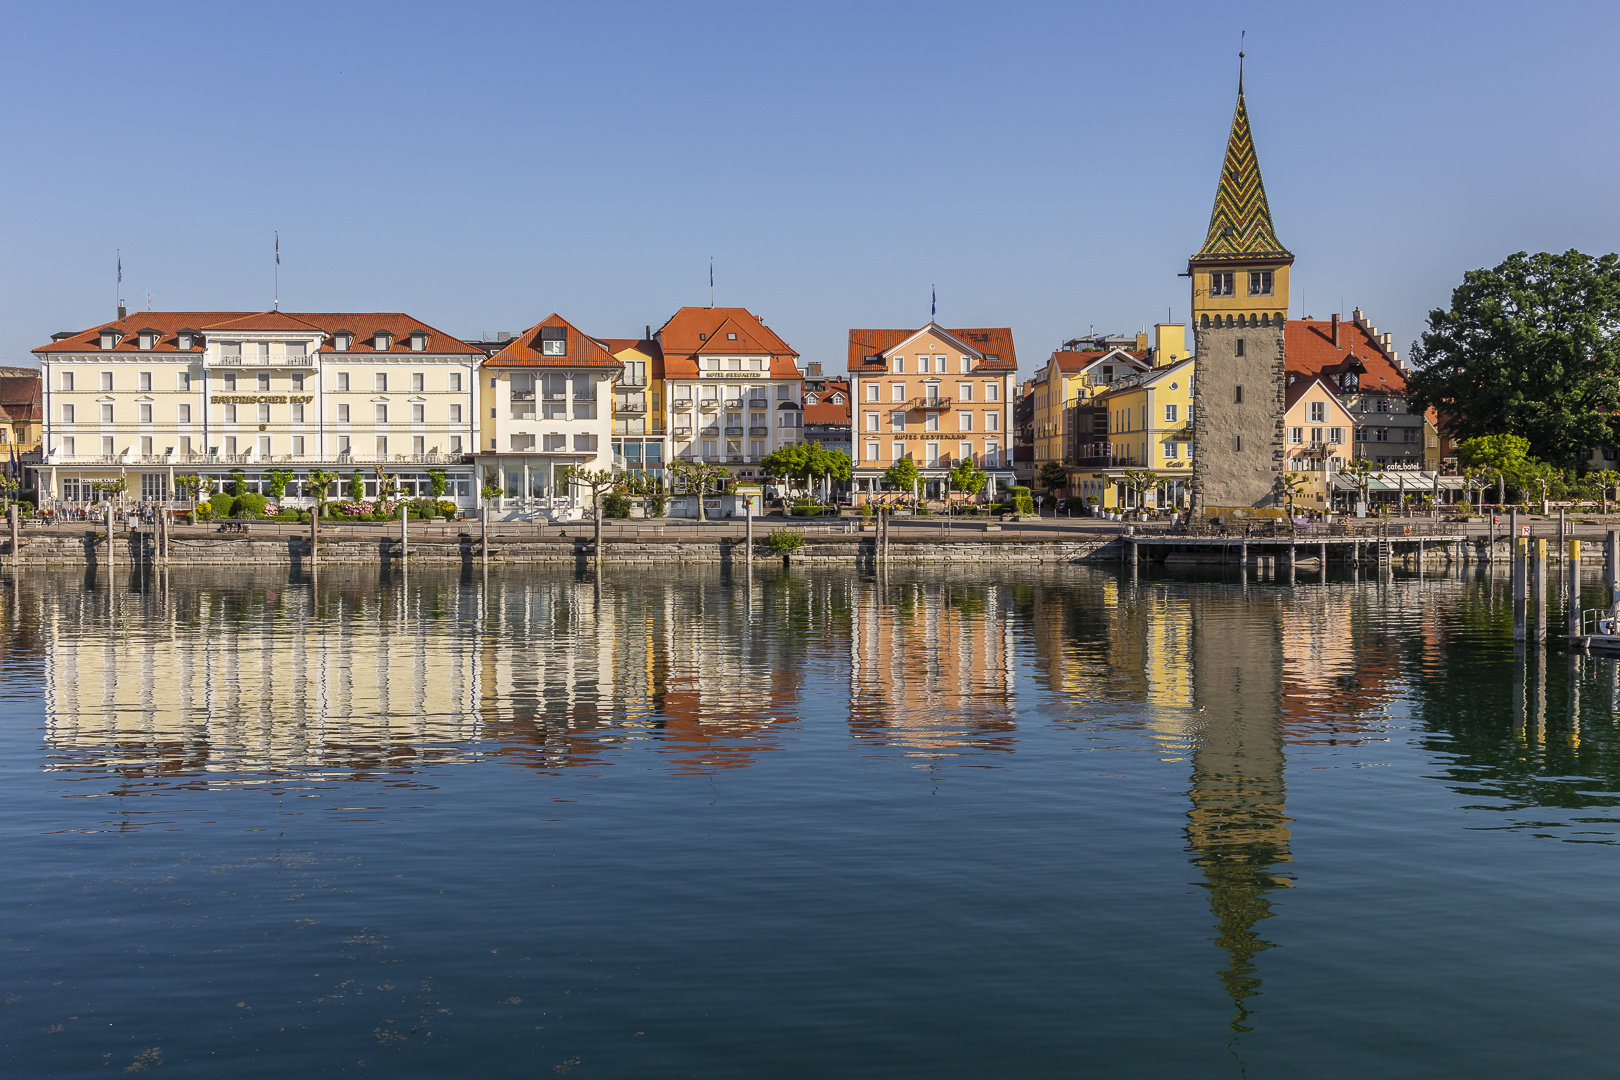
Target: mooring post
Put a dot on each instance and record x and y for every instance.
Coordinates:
(109, 540)
(16, 537)
(1561, 547)
(483, 535)
(748, 528)
(314, 534)
(404, 531)
(1541, 590)
(1322, 550)
(1420, 558)
(1574, 588)
(1516, 571)
(1612, 567)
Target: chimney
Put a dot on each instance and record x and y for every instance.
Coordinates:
(121, 311)
(1335, 331)
(649, 333)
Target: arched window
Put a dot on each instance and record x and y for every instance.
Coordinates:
(1229, 322)
(1204, 323)
(1265, 319)
(1242, 322)
(1278, 318)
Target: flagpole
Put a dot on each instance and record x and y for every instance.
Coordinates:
(711, 281)
(277, 300)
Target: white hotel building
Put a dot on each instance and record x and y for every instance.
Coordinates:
(153, 395)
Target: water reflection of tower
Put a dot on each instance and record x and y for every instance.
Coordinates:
(1237, 829)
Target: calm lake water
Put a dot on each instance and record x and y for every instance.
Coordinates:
(957, 823)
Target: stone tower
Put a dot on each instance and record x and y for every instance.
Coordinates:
(1239, 305)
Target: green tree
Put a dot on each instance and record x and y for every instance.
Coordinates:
(968, 477)
(1053, 476)
(238, 479)
(320, 482)
(598, 482)
(357, 486)
(279, 479)
(492, 483)
(1140, 481)
(697, 478)
(1529, 348)
(437, 482)
(1360, 473)
(902, 475)
(1605, 481)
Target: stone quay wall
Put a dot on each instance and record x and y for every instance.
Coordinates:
(90, 549)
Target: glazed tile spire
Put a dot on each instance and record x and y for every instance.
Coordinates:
(1241, 222)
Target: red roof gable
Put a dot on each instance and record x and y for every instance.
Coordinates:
(991, 341)
(825, 412)
(1310, 352)
(692, 331)
(579, 350)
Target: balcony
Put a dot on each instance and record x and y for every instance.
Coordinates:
(682, 432)
(523, 395)
(734, 431)
(554, 395)
(681, 405)
(238, 361)
(758, 432)
(629, 406)
(931, 403)
(1106, 462)
(710, 404)
(734, 403)
(734, 459)
(711, 432)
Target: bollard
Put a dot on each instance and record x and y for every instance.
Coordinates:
(404, 531)
(1574, 589)
(1517, 577)
(1541, 590)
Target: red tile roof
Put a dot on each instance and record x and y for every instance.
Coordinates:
(1298, 388)
(824, 412)
(21, 397)
(695, 331)
(1071, 361)
(1310, 351)
(996, 341)
(169, 323)
(580, 350)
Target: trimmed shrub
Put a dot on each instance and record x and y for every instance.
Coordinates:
(204, 512)
(784, 541)
(656, 505)
(1022, 501)
(220, 505)
(615, 505)
(447, 509)
(249, 506)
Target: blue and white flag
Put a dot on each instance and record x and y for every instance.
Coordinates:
(933, 302)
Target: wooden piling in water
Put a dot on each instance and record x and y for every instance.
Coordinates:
(1574, 588)
(1541, 590)
(16, 537)
(1322, 554)
(1517, 577)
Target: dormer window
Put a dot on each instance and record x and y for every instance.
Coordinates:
(184, 340)
(380, 340)
(109, 339)
(554, 341)
(838, 399)
(148, 339)
(731, 337)
(419, 340)
(342, 340)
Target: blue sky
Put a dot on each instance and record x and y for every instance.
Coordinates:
(1048, 166)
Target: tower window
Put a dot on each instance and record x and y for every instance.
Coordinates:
(1259, 282)
(1237, 347)
(1238, 398)
(1221, 283)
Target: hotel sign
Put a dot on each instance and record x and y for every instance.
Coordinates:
(262, 399)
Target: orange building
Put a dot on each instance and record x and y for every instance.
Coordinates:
(935, 396)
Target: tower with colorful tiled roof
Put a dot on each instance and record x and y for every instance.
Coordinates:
(1240, 275)
(1239, 309)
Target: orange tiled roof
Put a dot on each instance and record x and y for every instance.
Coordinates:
(580, 350)
(1310, 351)
(824, 411)
(694, 331)
(996, 341)
(1300, 386)
(21, 397)
(168, 324)
(1071, 361)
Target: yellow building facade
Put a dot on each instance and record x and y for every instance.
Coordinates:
(1149, 418)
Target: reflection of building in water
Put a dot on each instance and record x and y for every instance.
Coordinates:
(1333, 693)
(931, 666)
(242, 679)
(1237, 829)
(356, 674)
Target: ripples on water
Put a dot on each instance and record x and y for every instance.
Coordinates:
(956, 822)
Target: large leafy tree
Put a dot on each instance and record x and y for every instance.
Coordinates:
(1529, 348)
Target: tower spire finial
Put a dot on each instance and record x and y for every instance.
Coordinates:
(1241, 54)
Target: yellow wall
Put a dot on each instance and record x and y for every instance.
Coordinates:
(1240, 302)
(1139, 428)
